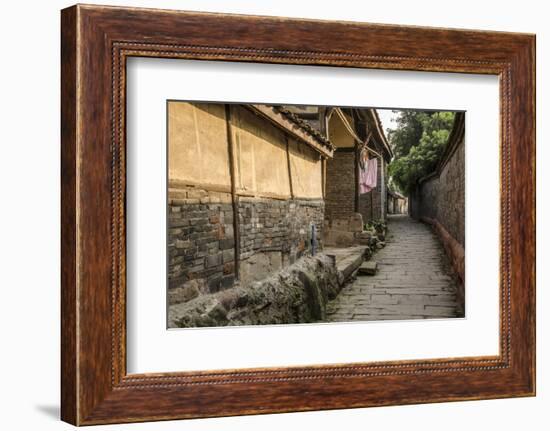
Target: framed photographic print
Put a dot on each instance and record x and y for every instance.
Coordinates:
(265, 214)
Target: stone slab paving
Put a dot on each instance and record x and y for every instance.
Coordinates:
(414, 279)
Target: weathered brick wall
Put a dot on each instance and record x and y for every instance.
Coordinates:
(275, 233)
(340, 185)
(201, 239)
(377, 210)
(200, 243)
(442, 197)
(340, 190)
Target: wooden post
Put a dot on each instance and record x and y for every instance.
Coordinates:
(382, 190)
(288, 166)
(324, 177)
(356, 161)
(371, 205)
(234, 197)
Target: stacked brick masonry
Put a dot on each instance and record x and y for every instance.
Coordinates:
(341, 188)
(275, 233)
(442, 197)
(201, 239)
(340, 185)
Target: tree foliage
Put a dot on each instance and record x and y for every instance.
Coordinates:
(418, 142)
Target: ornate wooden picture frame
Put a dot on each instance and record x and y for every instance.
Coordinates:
(96, 41)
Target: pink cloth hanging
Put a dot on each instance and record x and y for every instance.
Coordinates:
(367, 176)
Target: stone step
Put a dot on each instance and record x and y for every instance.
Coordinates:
(348, 261)
(368, 268)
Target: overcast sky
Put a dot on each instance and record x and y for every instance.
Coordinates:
(387, 117)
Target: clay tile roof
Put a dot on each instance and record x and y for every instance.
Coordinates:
(300, 129)
(314, 133)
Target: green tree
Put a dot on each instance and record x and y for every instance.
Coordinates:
(418, 143)
(407, 133)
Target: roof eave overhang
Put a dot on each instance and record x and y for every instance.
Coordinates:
(290, 127)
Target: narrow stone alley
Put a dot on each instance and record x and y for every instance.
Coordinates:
(414, 279)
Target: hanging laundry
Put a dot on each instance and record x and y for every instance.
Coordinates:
(367, 175)
(363, 158)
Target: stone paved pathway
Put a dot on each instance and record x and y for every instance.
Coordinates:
(414, 279)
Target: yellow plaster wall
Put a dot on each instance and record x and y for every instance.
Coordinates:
(260, 149)
(197, 144)
(198, 153)
(306, 169)
(338, 133)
